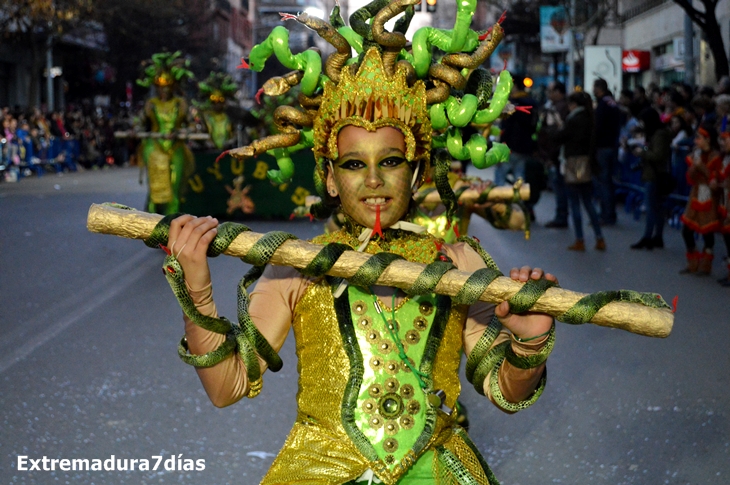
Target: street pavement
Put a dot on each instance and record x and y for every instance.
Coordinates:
(89, 367)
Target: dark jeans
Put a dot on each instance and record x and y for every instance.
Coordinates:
(689, 239)
(561, 195)
(515, 165)
(606, 159)
(655, 212)
(576, 194)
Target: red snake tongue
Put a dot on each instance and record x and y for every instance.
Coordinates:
(377, 229)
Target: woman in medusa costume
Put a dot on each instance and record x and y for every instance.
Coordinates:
(214, 92)
(378, 368)
(169, 161)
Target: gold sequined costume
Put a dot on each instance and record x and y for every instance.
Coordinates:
(360, 407)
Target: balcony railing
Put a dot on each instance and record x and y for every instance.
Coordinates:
(637, 10)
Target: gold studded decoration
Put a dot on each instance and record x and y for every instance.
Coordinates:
(375, 391)
(359, 307)
(369, 406)
(376, 422)
(391, 427)
(385, 347)
(392, 384)
(420, 324)
(413, 407)
(406, 422)
(392, 367)
(376, 363)
(412, 337)
(406, 391)
(390, 445)
(405, 367)
(365, 322)
(426, 308)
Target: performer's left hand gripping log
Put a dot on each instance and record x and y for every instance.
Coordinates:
(633, 317)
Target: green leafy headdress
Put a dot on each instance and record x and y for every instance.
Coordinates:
(165, 69)
(218, 88)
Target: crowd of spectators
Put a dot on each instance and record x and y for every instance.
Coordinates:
(80, 137)
(663, 151)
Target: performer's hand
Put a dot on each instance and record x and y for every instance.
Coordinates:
(528, 324)
(188, 241)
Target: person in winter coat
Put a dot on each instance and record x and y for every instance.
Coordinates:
(577, 150)
(655, 157)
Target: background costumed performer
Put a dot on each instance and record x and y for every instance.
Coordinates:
(168, 160)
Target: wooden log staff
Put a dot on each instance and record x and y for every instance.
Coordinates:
(632, 317)
(155, 134)
(497, 194)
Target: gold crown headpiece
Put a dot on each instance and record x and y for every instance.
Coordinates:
(372, 99)
(386, 85)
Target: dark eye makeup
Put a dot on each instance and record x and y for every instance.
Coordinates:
(355, 164)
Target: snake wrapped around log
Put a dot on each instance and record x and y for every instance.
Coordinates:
(646, 314)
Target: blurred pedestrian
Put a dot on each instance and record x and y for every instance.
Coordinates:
(577, 140)
(552, 120)
(658, 182)
(704, 108)
(724, 141)
(681, 146)
(701, 214)
(640, 98)
(607, 128)
(722, 111)
(517, 131)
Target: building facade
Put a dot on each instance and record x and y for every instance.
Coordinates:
(657, 27)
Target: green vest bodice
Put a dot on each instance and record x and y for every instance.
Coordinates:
(219, 127)
(359, 403)
(165, 120)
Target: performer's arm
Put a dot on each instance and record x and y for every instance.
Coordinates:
(271, 309)
(515, 384)
(226, 382)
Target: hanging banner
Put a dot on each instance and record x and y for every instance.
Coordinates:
(554, 29)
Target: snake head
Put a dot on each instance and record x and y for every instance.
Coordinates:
(288, 16)
(242, 152)
(172, 270)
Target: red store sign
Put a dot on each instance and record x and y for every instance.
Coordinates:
(635, 61)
